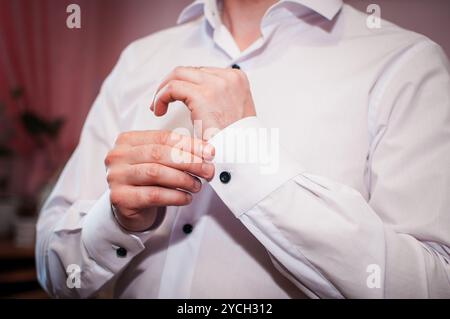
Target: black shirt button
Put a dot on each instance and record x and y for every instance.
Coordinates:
(225, 177)
(187, 228)
(121, 252)
(235, 66)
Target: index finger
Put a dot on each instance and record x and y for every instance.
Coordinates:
(185, 143)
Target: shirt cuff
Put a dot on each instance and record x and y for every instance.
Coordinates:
(105, 241)
(250, 164)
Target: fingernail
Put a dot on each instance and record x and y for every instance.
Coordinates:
(155, 100)
(152, 105)
(209, 152)
(207, 169)
(188, 197)
(197, 185)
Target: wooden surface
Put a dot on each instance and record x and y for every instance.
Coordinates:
(8, 251)
(18, 277)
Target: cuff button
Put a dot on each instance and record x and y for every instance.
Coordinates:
(225, 177)
(121, 252)
(188, 228)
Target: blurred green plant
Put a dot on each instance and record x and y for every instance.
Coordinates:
(35, 125)
(40, 130)
(5, 149)
(6, 152)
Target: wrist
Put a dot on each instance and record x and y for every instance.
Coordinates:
(138, 226)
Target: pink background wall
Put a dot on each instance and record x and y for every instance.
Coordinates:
(62, 69)
(429, 17)
(130, 19)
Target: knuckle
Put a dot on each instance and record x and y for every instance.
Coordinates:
(111, 157)
(154, 195)
(110, 176)
(115, 197)
(162, 137)
(123, 138)
(193, 97)
(170, 86)
(134, 171)
(107, 161)
(156, 153)
(152, 171)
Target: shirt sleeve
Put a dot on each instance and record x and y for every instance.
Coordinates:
(76, 225)
(326, 237)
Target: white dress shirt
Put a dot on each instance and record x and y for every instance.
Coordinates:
(358, 207)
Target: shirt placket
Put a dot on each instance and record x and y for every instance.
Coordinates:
(191, 222)
(225, 41)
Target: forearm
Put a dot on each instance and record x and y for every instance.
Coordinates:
(327, 238)
(86, 235)
(330, 229)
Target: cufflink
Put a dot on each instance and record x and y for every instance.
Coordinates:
(187, 228)
(121, 252)
(225, 177)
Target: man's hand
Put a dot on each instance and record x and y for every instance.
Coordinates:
(218, 97)
(149, 169)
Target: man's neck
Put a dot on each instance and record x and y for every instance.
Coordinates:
(243, 19)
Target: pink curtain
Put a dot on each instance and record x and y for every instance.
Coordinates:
(61, 69)
(59, 77)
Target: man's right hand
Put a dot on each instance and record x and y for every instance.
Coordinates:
(150, 169)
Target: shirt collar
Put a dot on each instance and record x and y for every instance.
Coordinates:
(210, 8)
